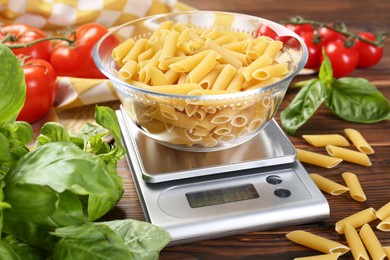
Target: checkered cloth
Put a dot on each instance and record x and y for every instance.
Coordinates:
(51, 15)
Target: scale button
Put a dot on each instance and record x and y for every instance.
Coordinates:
(282, 193)
(274, 179)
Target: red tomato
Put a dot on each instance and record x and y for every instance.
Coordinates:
(369, 54)
(300, 28)
(266, 31)
(22, 34)
(344, 60)
(76, 60)
(40, 89)
(314, 49)
(328, 35)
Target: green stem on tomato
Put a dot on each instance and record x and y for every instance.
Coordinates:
(341, 28)
(11, 37)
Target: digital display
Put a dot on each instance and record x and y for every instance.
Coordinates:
(220, 196)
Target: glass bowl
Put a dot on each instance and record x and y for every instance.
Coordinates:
(192, 121)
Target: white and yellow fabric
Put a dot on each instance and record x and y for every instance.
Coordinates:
(55, 15)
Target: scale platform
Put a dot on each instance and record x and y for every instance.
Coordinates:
(195, 196)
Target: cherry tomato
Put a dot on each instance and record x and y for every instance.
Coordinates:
(328, 35)
(76, 60)
(344, 60)
(314, 49)
(266, 31)
(40, 89)
(300, 28)
(22, 34)
(369, 54)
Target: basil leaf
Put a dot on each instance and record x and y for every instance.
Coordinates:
(52, 132)
(303, 106)
(89, 242)
(21, 249)
(325, 73)
(12, 86)
(357, 100)
(107, 118)
(143, 239)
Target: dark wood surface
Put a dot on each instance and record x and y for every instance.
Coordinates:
(370, 15)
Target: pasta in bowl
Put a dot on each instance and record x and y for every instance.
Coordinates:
(200, 80)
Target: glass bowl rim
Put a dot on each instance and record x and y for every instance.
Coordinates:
(240, 94)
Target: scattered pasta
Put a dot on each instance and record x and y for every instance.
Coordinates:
(356, 220)
(358, 140)
(387, 250)
(317, 159)
(326, 139)
(181, 59)
(348, 155)
(355, 243)
(320, 257)
(384, 225)
(355, 189)
(372, 243)
(384, 211)
(316, 242)
(327, 185)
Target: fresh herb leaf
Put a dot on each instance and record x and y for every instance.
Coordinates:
(357, 100)
(12, 86)
(325, 73)
(52, 132)
(18, 250)
(303, 106)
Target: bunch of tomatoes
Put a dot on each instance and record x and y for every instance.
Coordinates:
(345, 50)
(43, 58)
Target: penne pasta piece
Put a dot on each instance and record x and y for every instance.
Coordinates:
(261, 84)
(320, 257)
(356, 220)
(273, 48)
(138, 47)
(187, 64)
(316, 242)
(273, 70)
(225, 138)
(387, 250)
(168, 111)
(128, 70)
(317, 159)
(169, 46)
(165, 25)
(157, 77)
(358, 140)
(355, 189)
(171, 76)
(223, 129)
(237, 82)
(144, 74)
(209, 141)
(348, 155)
(180, 89)
(328, 185)
(355, 243)
(208, 81)
(372, 243)
(224, 78)
(146, 55)
(384, 211)
(224, 115)
(262, 61)
(164, 64)
(323, 140)
(384, 225)
(226, 39)
(120, 51)
(226, 57)
(243, 118)
(203, 68)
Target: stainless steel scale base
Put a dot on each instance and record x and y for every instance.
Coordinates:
(196, 196)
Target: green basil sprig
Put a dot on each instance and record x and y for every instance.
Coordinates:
(352, 99)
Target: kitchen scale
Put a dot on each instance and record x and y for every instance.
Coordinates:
(196, 196)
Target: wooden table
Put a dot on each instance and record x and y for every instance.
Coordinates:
(359, 15)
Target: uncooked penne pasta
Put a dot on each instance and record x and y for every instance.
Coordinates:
(226, 57)
(356, 220)
(317, 159)
(326, 139)
(328, 185)
(355, 189)
(262, 61)
(316, 242)
(138, 47)
(120, 51)
(203, 68)
(128, 70)
(384, 225)
(237, 82)
(169, 46)
(384, 211)
(372, 243)
(359, 141)
(348, 155)
(355, 243)
(320, 257)
(270, 71)
(187, 64)
(387, 250)
(224, 78)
